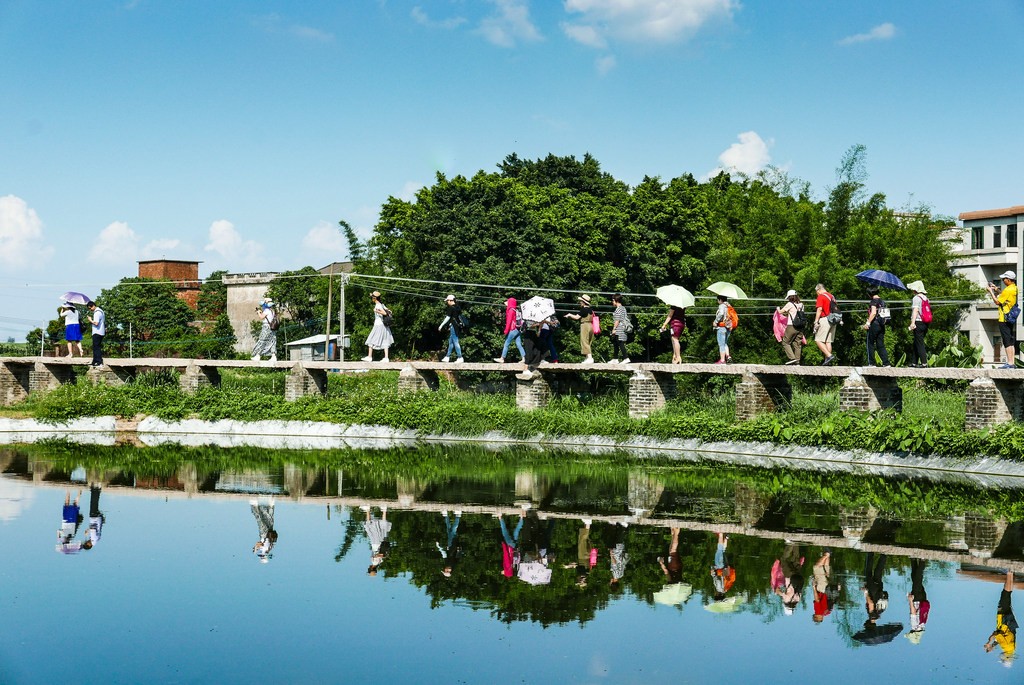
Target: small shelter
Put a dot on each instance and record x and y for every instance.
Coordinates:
(311, 349)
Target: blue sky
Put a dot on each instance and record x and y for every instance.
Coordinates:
(238, 133)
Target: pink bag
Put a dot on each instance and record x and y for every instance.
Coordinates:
(595, 324)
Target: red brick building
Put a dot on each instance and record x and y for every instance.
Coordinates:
(184, 274)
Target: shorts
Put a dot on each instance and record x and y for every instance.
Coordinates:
(825, 332)
(73, 332)
(723, 338)
(1008, 333)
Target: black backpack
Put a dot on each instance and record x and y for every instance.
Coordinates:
(799, 320)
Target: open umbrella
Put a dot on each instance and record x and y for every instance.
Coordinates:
(675, 295)
(877, 635)
(674, 594)
(76, 298)
(534, 573)
(538, 308)
(881, 279)
(733, 292)
(727, 605)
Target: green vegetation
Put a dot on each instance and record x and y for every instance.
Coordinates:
(932, 421)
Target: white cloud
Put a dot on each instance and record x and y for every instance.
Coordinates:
(21, 235)
(421, 18)
(884, 31)
(116, 244)
(409, 190)
(509, 25)
(605, 64)
(227, 242)
(662, 21)
(327, 238)
(273, 23)
(749, 156)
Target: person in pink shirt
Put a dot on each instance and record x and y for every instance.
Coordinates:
(512, 332)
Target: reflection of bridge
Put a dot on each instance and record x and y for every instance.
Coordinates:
(994, 395)
(965, 539)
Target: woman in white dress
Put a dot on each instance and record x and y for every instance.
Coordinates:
(380, 337)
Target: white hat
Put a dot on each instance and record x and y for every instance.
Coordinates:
(917, 287)
(450, 298)
(790, 294)
(1008, 274)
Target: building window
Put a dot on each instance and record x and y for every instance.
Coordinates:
(997, 236)
(1011, 235)
(978, 238)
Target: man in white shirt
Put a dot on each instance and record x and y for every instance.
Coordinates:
(98, 319)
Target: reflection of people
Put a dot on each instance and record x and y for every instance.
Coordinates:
(1005, 634)
(266, 344)
(450, 551)
(377, 530)
(824, 593)
(917, 600)
(618, 557)
(876, 599)
(96, 518)
(71, 518)
(672, 566)
(509, 545)
(586, 556)
(264, 515)
(722, 575)
(793, 584)
(72, 329)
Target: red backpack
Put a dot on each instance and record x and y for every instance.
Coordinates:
(926, 310)
(734, 319)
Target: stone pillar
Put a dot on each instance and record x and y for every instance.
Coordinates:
(648, 392)
(188, 476)
(855, 523)
(956, 533)
(411, 379)
(758, 394)
(532, 392)
(301, 382)
(870, 393)
(14, 382)
(110, 375)
(196, 377)
(750, 504)
(408, 490)
(643, 492)
(982, 535)
(49, 376)
(990, 402)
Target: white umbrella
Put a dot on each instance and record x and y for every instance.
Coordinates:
(675, 295)
(534, 573)
(733, 292)
(674, 594)
(538, 309)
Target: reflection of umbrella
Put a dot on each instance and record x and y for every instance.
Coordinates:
(881, 279)
(727, 605)
(877, 635)
(75, 298)
(675, 593)
(675, 295)
(729, 290)
(538, 309)
(534, 573)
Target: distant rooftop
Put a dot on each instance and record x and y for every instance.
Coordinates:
(992, 213)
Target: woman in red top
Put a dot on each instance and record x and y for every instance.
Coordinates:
(512, 332)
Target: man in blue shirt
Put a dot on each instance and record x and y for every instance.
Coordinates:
(98, 319)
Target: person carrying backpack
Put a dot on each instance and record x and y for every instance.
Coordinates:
(1009, 310)
(453, 319)
(824, 328)
(796, 322)
(920, 318)
(724, 323)
(875, 327)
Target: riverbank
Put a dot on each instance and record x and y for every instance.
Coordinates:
(930, 425)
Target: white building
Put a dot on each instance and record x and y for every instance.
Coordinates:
(988, 246)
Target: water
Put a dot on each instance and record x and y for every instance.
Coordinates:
(173, 592)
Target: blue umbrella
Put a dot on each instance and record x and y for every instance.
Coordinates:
(881, 279)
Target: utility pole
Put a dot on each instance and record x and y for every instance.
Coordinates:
(327, 331)
(341, 319)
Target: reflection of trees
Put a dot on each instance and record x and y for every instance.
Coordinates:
(352, 528)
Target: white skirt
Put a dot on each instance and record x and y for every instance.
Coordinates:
(380, 337)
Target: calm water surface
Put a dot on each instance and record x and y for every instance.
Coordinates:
(615, 575)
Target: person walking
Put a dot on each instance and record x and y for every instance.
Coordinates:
(264, 515)
(920, 318)
(546, 337)
(380, 337)
(453, 320)
(586, 319)
(450, 551)
(98, 319)
(1006, 300)
(675, 324)
(1005, 634)
(824, 329)
(723, 329)
(377, 531)
(266, 344)
(621, 329)
(917, 600)
(793, 337)
(513, 319)
(875, 326)
(72, 329)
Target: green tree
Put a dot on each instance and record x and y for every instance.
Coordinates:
(213, 296)
(150, 311)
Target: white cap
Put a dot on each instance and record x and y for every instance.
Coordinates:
(1008, 274)
(790, 294)
(450, 298)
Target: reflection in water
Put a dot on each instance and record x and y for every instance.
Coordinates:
(571, 542)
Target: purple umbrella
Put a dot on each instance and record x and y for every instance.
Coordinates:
(76, 298)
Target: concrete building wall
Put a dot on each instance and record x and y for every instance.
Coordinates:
(244, 292)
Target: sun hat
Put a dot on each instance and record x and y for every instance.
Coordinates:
(1008, 274)
(375, 293)
(584, 298)
(450, 298)
(917, 287)
(790, 294)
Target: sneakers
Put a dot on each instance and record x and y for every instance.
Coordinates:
(255, 358)
(444, 512)
(791, 362)
(460, 360)
(544, 362)
(828, 360)
(499, 360)
(273, 358)
(728, 360)
(446, 358)
(720, 361)
(367, 358)
(625, 361)
(588, 360)
(1007, 366)
(613, 361)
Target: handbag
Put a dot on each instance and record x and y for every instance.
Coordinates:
(595, 324)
